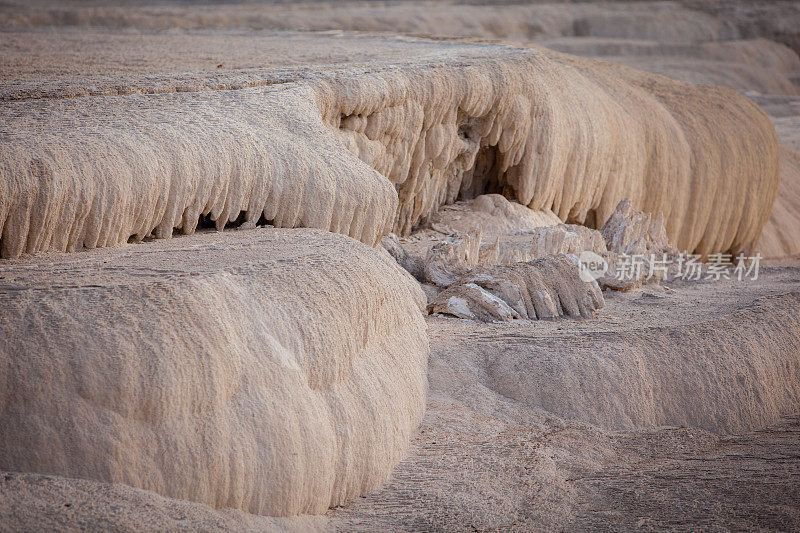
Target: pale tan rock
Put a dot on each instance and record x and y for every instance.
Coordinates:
(628, 236)
(629, 231)
(491, 214)
(272, 371)
(550, 240)
(452, 258)
(781, 235)
(590, 415)
(495, 455)
(471, 301)
(414, 265)
(635, 238)
(554, 132)
(536, 426)
(542, 289)
(476, 138)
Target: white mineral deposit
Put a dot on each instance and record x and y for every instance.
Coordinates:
(399, 266)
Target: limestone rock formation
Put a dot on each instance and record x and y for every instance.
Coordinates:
(487, 134)
(632, 232)
(452, 258)
(413, 265)
(142, 166)
(549, 240)
(781, 235)
(462, 264)
(284, 371)
(627, 235)
(491, 214)
(473, 302)
(545, 288)
(273, 371)
(633, 236)
(554, 132)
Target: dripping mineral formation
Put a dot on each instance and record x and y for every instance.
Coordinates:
(361, 153)
(374, 313)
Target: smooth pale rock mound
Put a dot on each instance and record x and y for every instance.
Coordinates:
(277, 372)
(781, 236)
(545, 288)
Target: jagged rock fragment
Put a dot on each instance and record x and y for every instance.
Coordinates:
(550, 287)
(632, 232)
(636, 243)
(452, 258)
(472, 301)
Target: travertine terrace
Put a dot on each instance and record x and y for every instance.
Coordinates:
(213, 372)
(550, 131)
(273, 266)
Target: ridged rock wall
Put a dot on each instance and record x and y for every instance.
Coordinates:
(214, 370)
(546, 129)
(95, 172)
(734, 378)
(566, 134)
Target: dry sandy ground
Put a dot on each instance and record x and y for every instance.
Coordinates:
(675, 478)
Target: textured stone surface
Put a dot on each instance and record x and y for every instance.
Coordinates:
(545, 288)
(554, 132)
(530, 425)
(517, 435)
(483, 460)
(278, 372)
(781, 236)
